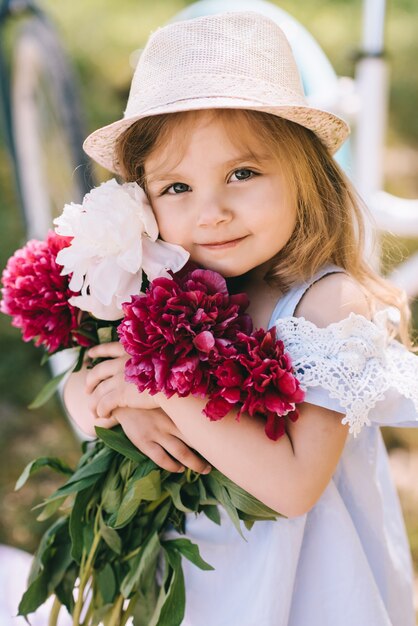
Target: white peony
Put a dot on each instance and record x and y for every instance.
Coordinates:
(114, 235)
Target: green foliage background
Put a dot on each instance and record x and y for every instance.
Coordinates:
(100, 35)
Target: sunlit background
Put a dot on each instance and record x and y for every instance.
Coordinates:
(101, 37)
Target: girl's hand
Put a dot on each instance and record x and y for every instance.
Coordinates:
(156, 435)
(106, 386)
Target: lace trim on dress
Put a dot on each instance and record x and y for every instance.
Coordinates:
(355, 360)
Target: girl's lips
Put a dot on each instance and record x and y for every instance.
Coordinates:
(222, 244)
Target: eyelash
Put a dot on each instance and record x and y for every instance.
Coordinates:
(240, 169)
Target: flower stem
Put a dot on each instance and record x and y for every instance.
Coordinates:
(84, 577)
(129, 609)
(115, 614)
(191, 476)
(53, 616)
(131, 554)
(154, 505)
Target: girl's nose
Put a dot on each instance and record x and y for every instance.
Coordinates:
(212, 211)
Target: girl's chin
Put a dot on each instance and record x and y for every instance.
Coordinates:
(222, 267)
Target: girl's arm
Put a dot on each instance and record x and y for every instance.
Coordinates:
(151, 430)
(80, 400)
(288, 475)
(77, 405)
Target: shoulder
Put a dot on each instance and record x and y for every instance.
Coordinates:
(332, 298)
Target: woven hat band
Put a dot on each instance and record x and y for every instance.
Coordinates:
(207, 86)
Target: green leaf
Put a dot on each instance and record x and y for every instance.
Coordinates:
(48, 390)
(106, 583)
(45, 358)
(100, 614)
(50, 508)
(86, 475)
(111, 537)
(64, 591)
(80, 359)
(174, 489)
(112, 490)
(44, 548)
(34, 466)
(222, 495)
(147, 488)
(142, 567)
(90, 449)
(88, 537)
(212, 512)
(35, 595)
(248, 524)
(78, 522)
(86, 333)
(203, 496)
(145, 468)
(48, 568)
(169, 610)
(160, 516)
(243, 501)
(60, 559)
(98, 465)
(189, 550)
(116, 439)
(74, 487)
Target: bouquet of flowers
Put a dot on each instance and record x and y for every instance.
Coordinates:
(185, 335)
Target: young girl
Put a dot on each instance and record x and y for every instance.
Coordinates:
(239, 171)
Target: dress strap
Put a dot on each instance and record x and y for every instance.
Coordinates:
(287, 304)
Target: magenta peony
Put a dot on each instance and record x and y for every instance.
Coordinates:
(36, 296)
(258, 379)
(179, 330)
(189, 336)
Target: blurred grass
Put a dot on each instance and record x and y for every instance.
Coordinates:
(100, 36)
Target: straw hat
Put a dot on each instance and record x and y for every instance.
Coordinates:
(237, 60)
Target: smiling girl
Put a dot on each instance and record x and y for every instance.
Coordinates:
(238, 170)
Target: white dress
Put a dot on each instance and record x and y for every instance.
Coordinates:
(347, 561)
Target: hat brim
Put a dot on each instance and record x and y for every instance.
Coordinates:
(331, 129)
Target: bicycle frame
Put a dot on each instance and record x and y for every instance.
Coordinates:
(392, 214)
(8, 10)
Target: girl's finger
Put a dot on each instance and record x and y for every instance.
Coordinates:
(109, 422)
(152, 449)
(107, 404)
(182, 453)
(103, 350)
(161, 457)
(101, 372)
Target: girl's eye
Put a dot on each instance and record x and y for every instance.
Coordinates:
(177, 188)
(243, 174)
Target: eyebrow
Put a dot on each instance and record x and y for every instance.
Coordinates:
(166, 176)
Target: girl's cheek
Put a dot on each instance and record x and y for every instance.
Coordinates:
(171, 228)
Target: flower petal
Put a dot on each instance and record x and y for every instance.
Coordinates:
(160, 256)
(93, 306)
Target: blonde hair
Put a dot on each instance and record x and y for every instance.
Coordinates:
(329, 224)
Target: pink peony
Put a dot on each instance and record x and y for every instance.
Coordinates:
(179, 330)
(36, 295)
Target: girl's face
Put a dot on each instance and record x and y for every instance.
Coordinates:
(228, 206)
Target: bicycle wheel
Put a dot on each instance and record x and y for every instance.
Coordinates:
(47, 127)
